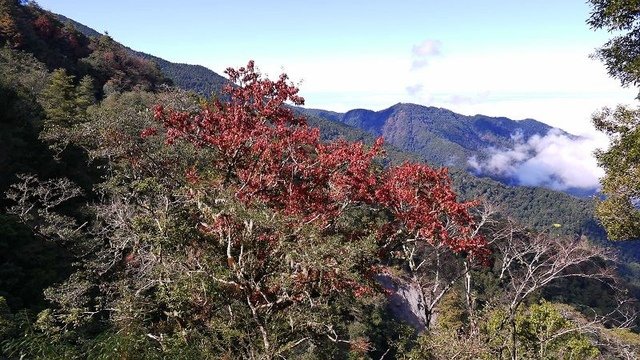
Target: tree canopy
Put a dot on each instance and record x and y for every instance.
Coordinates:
(619, 212)
(621, 54)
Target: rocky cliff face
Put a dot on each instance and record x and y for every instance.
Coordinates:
(406, 302)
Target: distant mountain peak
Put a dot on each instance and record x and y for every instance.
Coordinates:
(439, 135)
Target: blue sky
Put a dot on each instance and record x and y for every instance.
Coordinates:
(521, 59)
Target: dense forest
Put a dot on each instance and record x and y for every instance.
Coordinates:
(142, 218)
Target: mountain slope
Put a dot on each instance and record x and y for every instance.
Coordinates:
(438, 135)
(185, 76)
(192, 77)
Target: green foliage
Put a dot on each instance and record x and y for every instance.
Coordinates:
(32, 343)
(621, 54)
(536, 207)
(58, 99)
(65, 105)
(6, 320)
(128, 344)
(540, 331)
(623, 343)
(85, 95)
(619, 212)
(29, 265)
(545, 334)
(23, 71)
(387, 335)
(21, 80)
(452, 314)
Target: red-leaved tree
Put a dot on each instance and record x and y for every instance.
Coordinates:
(310, 220)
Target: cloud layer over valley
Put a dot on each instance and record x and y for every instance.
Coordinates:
(557, 160)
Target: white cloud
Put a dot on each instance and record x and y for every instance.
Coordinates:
(414, 89)
(427, 48)
(424, 51)
(560, 87)
(457, 99)
(555, 160)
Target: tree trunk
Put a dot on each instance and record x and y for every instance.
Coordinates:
(514, 339)
(473, 326)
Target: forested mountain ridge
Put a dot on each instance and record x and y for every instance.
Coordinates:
(61, 46)
(440, 136)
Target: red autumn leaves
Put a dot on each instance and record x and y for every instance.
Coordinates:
(268, 155)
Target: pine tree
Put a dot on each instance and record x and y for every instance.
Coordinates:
(59, 100)
(85, 96)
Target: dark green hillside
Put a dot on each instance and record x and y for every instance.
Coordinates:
(438, 135)
(190, 77)
(85, 30)
(537, 207)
